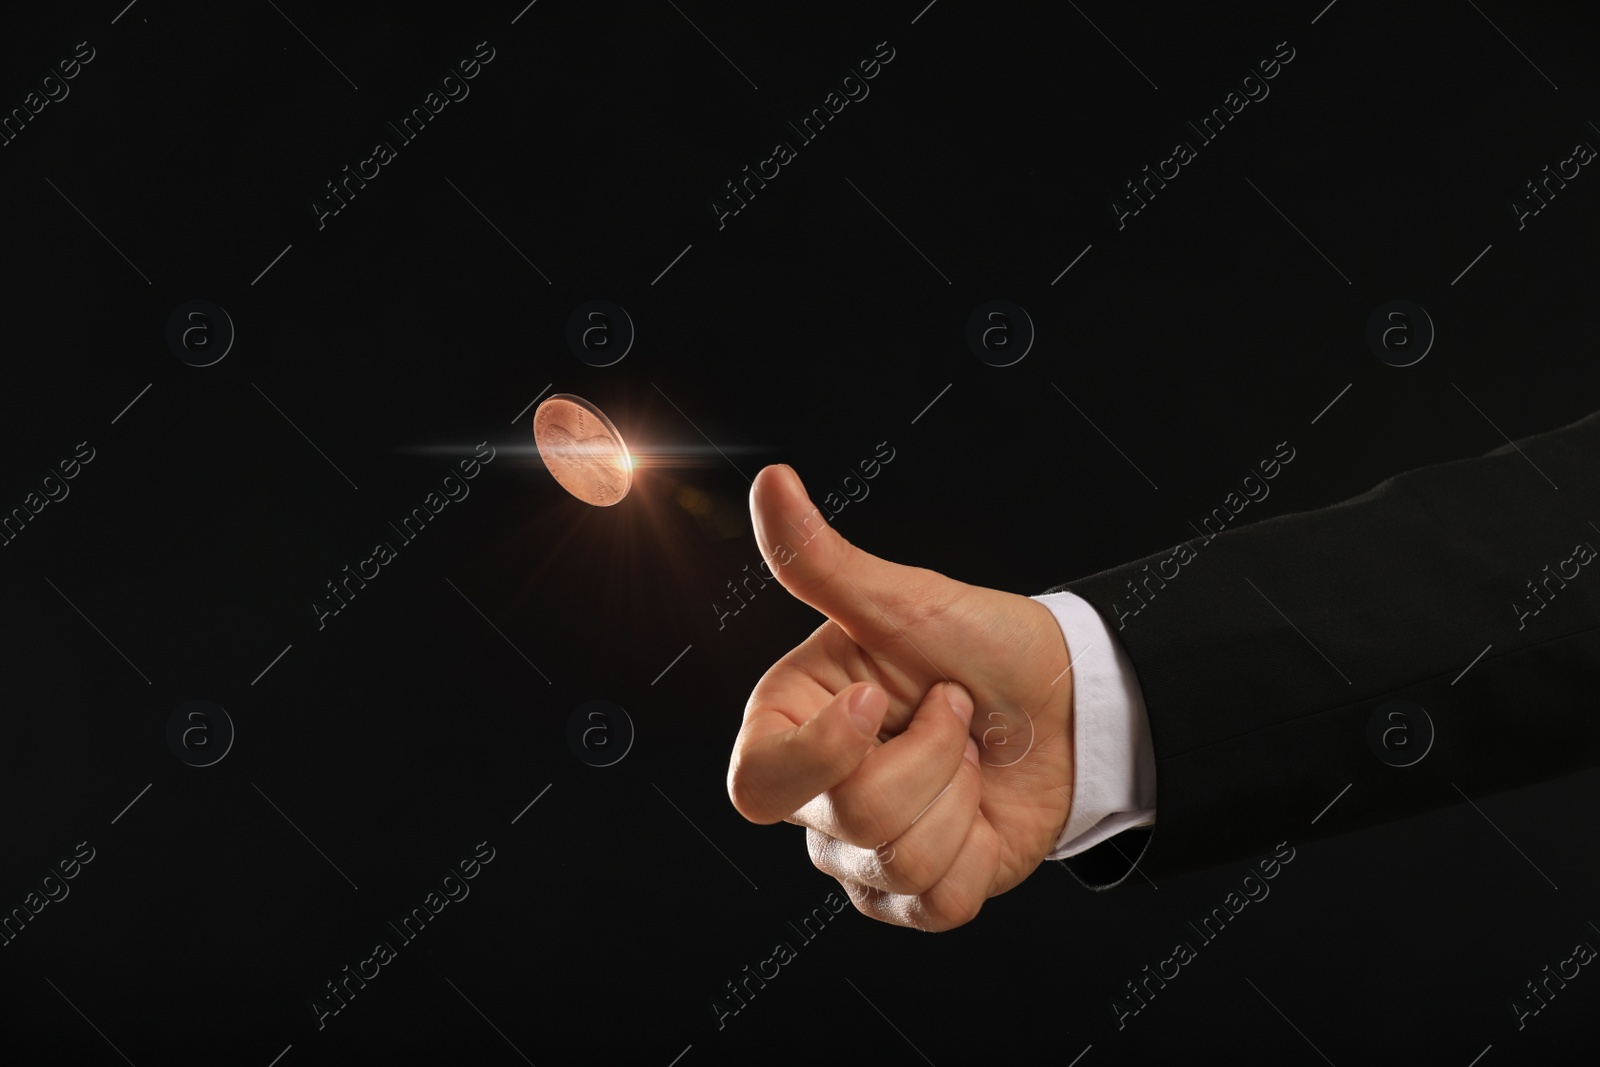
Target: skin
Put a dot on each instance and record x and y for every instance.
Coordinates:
(930, 808)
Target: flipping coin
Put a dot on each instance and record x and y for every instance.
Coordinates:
(582, 450)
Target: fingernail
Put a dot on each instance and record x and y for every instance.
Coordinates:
(960, 702)
(972, 751)
(859, 711)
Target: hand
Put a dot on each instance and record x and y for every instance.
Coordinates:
(916, 834)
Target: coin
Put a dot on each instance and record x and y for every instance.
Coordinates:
(582, 450)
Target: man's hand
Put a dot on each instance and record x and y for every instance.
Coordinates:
(859, 732)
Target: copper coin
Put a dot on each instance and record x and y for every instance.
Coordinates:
(582, 450)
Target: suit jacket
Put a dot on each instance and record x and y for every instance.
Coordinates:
(1269, 655)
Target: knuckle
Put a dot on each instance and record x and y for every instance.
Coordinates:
(860, 897)
(823, 747)
(861, 813)
(951, 906)
(911, 874)
(837, 552)
(819, 847)
(736, 795)
(747, 800)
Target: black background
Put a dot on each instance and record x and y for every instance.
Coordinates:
(806, 330)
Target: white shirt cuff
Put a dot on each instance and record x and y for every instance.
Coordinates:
(1114, 772)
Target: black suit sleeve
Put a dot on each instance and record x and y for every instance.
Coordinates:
(1266, 652)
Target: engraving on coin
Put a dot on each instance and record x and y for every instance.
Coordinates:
(200, 333)
(1400, 333)
(199, 733)
(582, 450)
(600, 332)
(600, 733)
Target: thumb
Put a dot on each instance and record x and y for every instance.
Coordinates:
(864, 594)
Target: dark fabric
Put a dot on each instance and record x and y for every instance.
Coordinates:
(1256, 731)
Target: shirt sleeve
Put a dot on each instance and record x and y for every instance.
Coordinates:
(1114, 772)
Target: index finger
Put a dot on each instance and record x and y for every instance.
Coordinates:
(777, 766)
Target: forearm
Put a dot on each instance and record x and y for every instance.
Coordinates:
(1263, 651)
